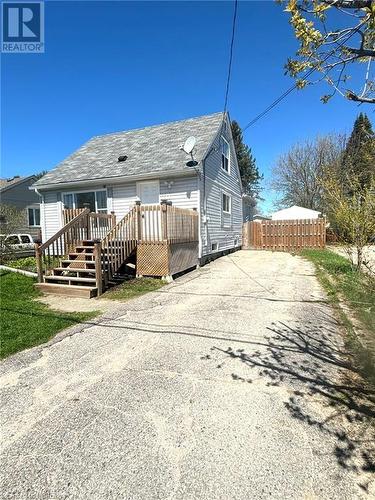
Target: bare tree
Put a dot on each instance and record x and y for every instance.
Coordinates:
(297, 174)
(333, 36)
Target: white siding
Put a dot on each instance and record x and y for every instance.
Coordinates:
(220, 228)
(51, 215)
(124, 197)
(182, 191)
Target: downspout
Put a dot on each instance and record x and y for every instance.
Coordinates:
(43, 231)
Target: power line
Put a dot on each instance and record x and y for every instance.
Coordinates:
(293, 87)
(231, 54)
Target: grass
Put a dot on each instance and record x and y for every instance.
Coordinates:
(357, 290)
(133, 287)
(25, 322)
(29, 263)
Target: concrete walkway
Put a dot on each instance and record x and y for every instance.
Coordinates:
(230, 383)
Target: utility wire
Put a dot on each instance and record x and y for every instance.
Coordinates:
(231, 54)
(293, 87)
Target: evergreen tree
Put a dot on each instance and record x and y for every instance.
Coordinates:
(359, 155)
(249, 171)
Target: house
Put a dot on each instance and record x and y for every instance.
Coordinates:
(260, 217)
(111, 172)
(15, 192)
(295, 213)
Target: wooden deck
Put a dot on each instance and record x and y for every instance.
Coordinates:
(87, 253)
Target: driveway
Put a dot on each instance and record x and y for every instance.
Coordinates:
(230, 383)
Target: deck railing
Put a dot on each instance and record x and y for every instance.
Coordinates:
(79, 225)
(142, 224)
(118, 244)
(98, 224)
(73, 233)
(167, 223)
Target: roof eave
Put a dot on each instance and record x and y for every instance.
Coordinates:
(114, 180)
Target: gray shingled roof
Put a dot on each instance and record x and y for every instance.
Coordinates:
(149, 150)
(14, 181)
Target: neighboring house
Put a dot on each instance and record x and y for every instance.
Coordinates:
(111, 172)
(260, 217)
(295, 212)
(16, 192)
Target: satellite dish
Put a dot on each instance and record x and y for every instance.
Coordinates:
(189, 144)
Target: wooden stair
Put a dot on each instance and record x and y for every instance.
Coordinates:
(75, 276)
(90, 256)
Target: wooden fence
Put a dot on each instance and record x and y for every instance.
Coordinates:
(284, 235)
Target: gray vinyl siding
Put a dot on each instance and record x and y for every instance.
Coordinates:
(223, 229)
(21, 197)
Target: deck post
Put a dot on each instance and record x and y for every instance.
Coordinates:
(88, 228)
(164, 219)
(38, 260)
(98, 266)
(113, 219)
(138, 219)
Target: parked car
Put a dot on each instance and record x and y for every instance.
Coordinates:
(21, 245)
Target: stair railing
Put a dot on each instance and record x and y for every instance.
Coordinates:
(111, 252)
(64, 241)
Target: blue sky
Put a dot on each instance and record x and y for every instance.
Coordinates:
(112, 66)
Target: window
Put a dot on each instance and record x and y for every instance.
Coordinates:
(226, 203)
(68, 201)
(25, 238)
(96, 200)
(214, 247)
(225, 155)
(13, 240)
(34, 216)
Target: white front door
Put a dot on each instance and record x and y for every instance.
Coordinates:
(149, 192)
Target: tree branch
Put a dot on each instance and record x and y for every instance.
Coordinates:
(349, 4)
(354, 97)
(361, 52)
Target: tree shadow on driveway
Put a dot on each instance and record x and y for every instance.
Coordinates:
(308, 361)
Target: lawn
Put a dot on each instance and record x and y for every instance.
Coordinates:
(344, 285)
(25, 322)
(133, 287)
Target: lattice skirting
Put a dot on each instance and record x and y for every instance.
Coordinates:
(152, 259)
(162, 259)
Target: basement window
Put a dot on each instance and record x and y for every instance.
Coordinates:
(214, 247)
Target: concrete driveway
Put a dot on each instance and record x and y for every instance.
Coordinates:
(230, 383)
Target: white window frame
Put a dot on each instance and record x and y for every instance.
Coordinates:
(74, 193)
(33, 208)
(223, 140)
(142, 183)
(222, 203)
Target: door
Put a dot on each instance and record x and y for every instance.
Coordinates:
(149, 194)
